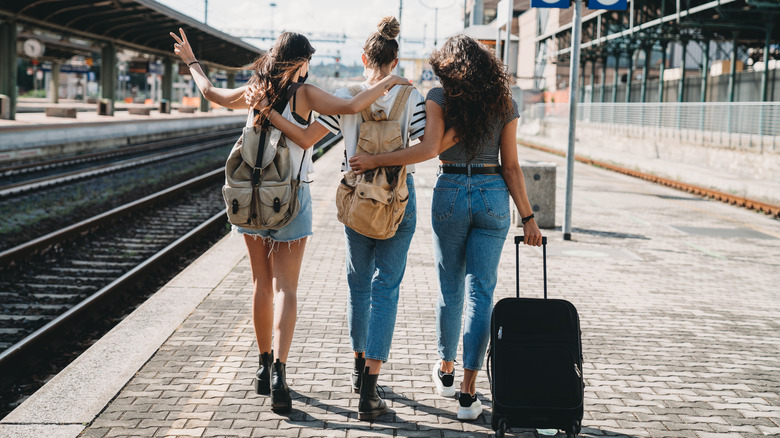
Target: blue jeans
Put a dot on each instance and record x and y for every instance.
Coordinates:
(374, 272)
(471, 219)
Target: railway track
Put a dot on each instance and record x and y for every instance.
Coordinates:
(728, 198)
(60, 283)
(22, 178)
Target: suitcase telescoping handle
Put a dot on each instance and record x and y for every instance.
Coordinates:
(519, 239)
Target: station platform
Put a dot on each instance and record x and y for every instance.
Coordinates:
(34, 135)
(677, 295)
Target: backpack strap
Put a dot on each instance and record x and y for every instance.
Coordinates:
(354, 90)
(400, 102)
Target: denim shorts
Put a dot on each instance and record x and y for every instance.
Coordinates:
(300, 227)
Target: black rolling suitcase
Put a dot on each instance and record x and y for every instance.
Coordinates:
(535, 361)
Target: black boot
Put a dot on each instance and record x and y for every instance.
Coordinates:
(357, 372)
(280, 392)
(370, 406)
(263, 375)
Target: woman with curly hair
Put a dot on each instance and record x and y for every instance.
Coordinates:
(470, 209)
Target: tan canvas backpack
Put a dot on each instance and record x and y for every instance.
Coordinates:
(373, 203)
(261, 186)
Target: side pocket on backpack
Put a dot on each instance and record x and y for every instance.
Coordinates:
(238, 201)
(274, 205)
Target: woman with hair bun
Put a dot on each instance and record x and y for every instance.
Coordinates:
(470, 208)
(375, 267)
(278, 79)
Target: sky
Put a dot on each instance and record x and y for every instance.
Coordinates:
(354, 18)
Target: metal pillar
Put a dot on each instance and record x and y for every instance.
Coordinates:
(630, 74)
(661, 73)
(167, 80)
(705, 70)
(645, 68)
(8, 66)
(231, 82)
(681, 84)
(603, 78)
(54, 89)
(593, 80)
(582, 81)
(204, 104)
(108, 76)
(575, 59)
(617, 77)
(733, 69)
(765, 76)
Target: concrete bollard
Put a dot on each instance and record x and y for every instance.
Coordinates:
(165, 107)
(5, 107)
(105, 107)
(539, 179)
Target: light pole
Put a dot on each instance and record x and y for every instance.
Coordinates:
(273, 8)
(436, 5)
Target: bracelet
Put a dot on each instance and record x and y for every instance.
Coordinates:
(193, 62)
(527, 218)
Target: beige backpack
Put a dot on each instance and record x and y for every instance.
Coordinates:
(261, 187)
(373, 203)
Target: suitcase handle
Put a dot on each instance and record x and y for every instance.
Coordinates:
(519, 239)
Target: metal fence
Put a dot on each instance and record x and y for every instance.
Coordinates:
(740, 124)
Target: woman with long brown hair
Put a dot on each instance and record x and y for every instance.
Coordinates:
(276, 266)
(470, 209)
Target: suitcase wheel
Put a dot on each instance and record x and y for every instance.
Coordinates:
(500, 426)
(574, 431)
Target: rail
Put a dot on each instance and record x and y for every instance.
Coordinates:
(747, 125)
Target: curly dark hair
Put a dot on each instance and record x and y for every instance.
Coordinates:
(275, 69)
(476, 90)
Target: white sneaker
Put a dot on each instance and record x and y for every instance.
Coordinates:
(445, 382)
(470, 407)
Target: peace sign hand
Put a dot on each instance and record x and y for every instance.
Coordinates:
(183, 48)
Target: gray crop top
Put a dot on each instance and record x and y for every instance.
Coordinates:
(490, 151)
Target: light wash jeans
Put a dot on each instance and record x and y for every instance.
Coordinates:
(471, 219)
(375, 269)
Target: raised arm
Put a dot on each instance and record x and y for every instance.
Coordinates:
(435, 141)
(227, 97)
(326, 103)
(513, 176)
(303, 137)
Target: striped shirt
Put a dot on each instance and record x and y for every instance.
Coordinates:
(412, 120)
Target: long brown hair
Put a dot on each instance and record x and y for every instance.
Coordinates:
(381, 48)
(476, 90)
(275, 69)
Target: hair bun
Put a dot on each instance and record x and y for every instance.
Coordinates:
(389, 28)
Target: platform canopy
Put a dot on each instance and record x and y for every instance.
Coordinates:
(141, 25)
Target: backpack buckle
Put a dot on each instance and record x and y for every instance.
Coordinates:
(379, 115)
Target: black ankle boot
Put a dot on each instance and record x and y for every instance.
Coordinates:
(280, 392)
(370, 406)
(357, 372)
(263, 375)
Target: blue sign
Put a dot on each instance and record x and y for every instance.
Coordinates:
(91, 76)
(561, 4)
(427, 75)
(613, 5)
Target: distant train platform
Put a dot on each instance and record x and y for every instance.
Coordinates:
(677, 296)
(35, 136)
